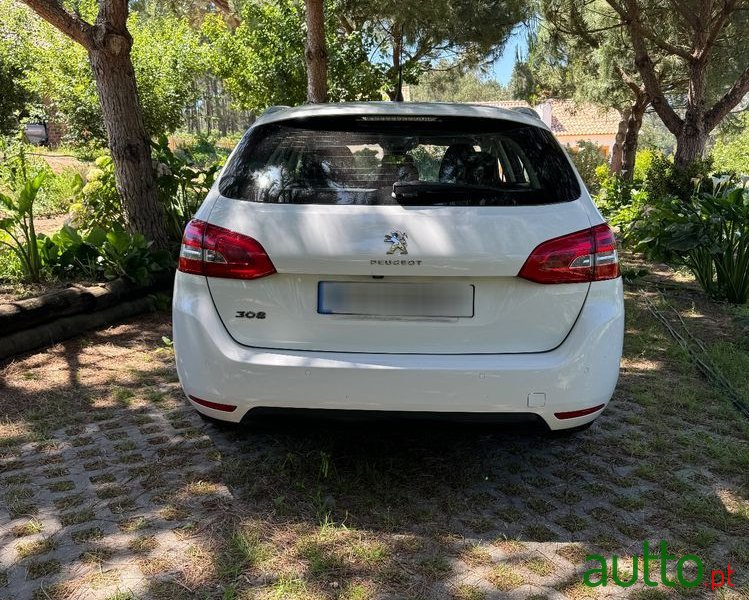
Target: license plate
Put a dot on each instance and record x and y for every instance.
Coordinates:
(386, 299)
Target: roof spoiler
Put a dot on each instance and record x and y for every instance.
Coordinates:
(276, 108)
(526, 110)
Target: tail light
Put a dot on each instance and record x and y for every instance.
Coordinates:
(588, 255)
(213, 251)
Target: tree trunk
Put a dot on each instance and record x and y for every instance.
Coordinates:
(690, 145)
(691, 140)
(128, 141)
(616, 149)
(315, 54)
(108, 44)
(631, 138)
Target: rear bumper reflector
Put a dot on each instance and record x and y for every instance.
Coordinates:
(578, 413)
(213, 405)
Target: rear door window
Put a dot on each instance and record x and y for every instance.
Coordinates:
(380, 160)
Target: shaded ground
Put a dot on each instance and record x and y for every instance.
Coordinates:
(113, 488)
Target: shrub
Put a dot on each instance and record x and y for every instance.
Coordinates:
(59, 192)
(708, 233)
(97, 254)
(643, 163)
(182, 184)
(622, 204)
(98, 203)
(664, 180)
(588, 157)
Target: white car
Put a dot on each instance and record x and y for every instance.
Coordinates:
(385, 257)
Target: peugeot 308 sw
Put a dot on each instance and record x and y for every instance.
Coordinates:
(399, 257)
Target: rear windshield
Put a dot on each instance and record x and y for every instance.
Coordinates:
(378, 160)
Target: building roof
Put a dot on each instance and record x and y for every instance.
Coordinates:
(581, 118)
(570, 118)
(413, 109)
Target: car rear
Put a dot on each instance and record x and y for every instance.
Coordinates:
(406, 258)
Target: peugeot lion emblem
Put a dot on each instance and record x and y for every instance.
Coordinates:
(397, 240)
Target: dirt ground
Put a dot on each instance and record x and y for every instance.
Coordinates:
(112, 488)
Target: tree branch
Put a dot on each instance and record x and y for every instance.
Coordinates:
(729, 100)
(633, 20)
(71, 25)
(716, 26)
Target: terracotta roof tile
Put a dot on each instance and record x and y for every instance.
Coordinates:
(576, 118)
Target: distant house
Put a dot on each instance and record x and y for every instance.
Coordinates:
(572, 121)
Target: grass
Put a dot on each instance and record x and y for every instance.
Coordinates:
(77, 517)
(35, 570)
(143, 544)
(31, 527)
(26, 549)
(87, 535)
(504, 578)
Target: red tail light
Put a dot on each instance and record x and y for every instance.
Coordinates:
(213, 251)
(588, 255)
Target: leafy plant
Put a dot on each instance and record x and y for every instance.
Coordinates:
(98, 203)
(709, 234)
(129, 255)
(97, 254)
(17, 229)
(182, 185)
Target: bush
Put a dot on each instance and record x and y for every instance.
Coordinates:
(183, 183)
(60, 191)
(588, 157)
(664, 180)
(98, 254)
(622, 204)
(708, 233)
(643, 163)
(98, 203)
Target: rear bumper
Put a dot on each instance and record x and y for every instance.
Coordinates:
(579, 374)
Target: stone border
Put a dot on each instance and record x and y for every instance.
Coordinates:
(50, 318)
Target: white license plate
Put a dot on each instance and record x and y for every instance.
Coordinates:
(395, 299)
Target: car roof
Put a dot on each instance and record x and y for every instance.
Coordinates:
(413, 109)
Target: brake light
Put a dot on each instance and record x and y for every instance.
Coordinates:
(213, 251)
(587, 255)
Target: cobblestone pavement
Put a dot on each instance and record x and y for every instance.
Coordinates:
(113, 488)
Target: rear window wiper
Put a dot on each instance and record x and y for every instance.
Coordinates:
(434, 193)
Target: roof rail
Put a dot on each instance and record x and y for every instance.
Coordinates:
(526, 110)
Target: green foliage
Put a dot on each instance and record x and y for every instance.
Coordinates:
(167, 56)
(708, 233)
(262, 61)
(97, 253)
(422, 34)
(621, 204)
(588, 157)
(129, 255)
(182, 186)
(15, 93)
(17, 230)
(98, 203)
(663, 179)
(644, 163)
(449, 84)
(731, 150)
(59, 192)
